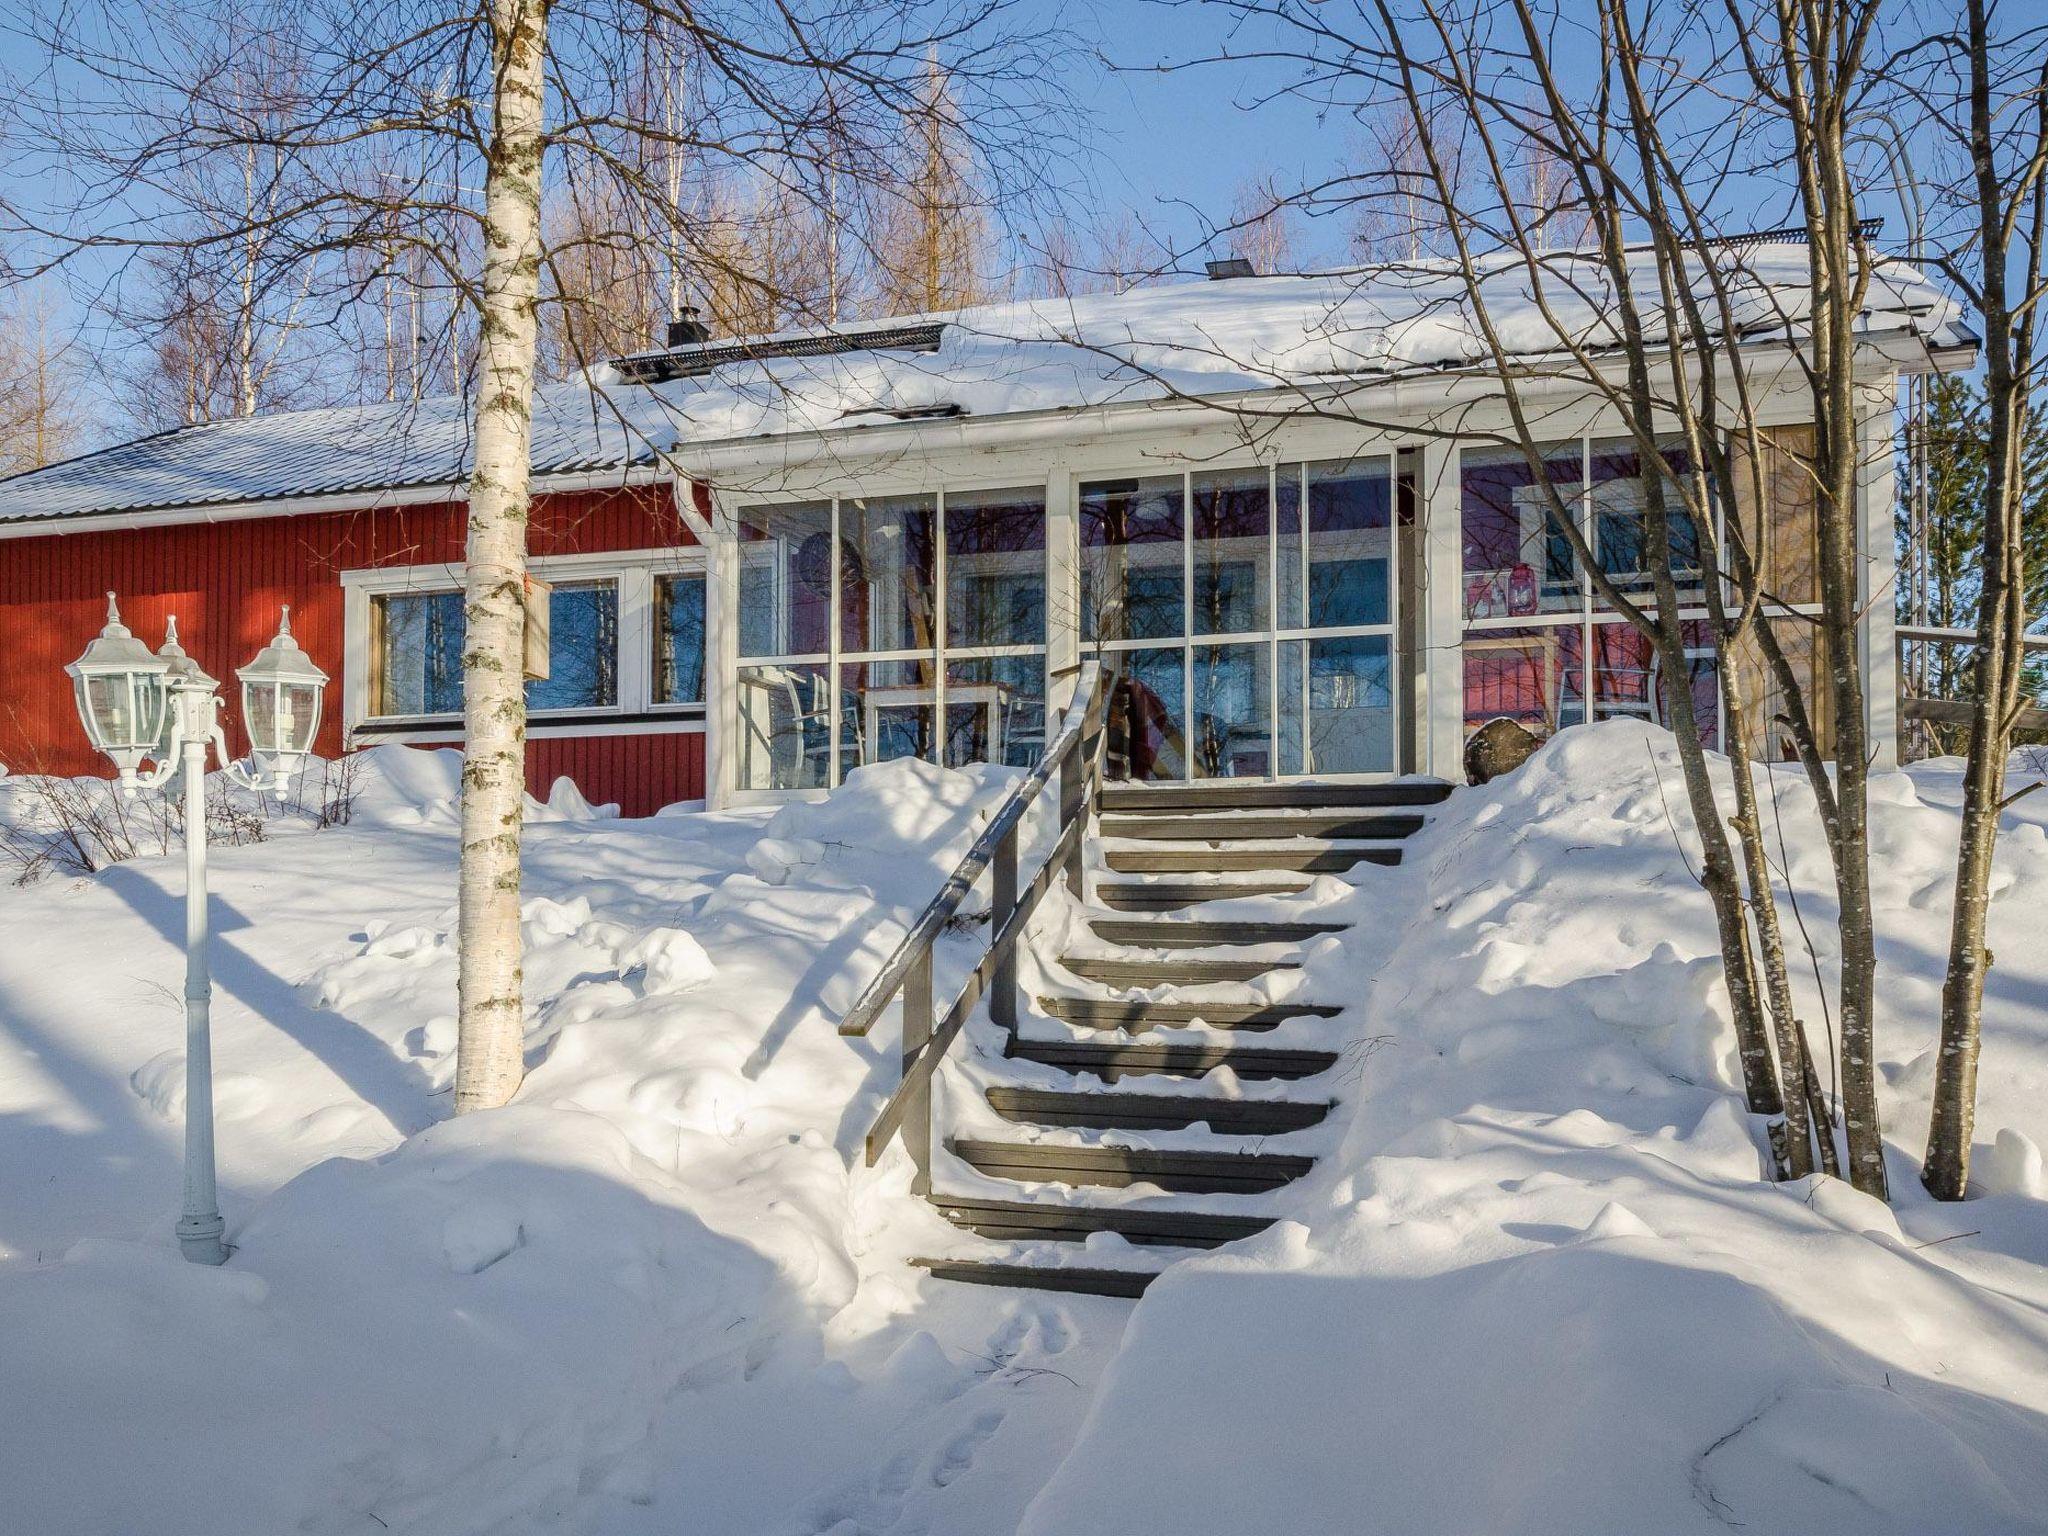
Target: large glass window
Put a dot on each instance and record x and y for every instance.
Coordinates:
(1518, 560)
(1283, 581)
(886, 627)
(995, 568)
(785, 726)
(1230, 551)
(1545, 648)
(418, 639)
(1133, 559)
(785, 579)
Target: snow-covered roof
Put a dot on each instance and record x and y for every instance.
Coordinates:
(1201, 339)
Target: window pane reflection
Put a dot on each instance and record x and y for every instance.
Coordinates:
(1531, 676)
(785, 721)
(679, 640)
(1629, 679)
(995, 710)
(887, 600)
(1516, 561)
(1230, 547)
(1131, 577)
(886, 710)
(583, 649)
(1350, 543)
(1148, 728)
(1344, 698)
(785, 580)
(1232, 727)
(995, 568)
(1620, 519)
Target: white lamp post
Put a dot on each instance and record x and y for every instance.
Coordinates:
(163, 708)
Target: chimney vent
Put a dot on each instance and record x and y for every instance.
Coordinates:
(1229, 266)
(688, 331)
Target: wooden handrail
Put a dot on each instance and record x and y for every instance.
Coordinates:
(1075, 752)
(1926, 634)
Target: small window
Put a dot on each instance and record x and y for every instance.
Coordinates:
(418, 636)
(679, 640)
(418, 639)
(583, 649)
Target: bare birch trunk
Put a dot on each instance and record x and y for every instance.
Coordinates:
(489, 1052)
(1996, 687)
(1763, 907)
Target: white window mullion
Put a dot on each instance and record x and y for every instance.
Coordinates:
(832, 709)
(1187, 624)
(1272, 619)
(939, 635)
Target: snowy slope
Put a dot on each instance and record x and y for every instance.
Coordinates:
(589, 1310)
(1535, 1285)
(1541, 1288)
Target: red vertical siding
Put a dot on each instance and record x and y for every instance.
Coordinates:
(226, 581)
(639, 773)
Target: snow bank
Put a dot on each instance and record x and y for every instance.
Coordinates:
(518, 1319)
(486, 1318)
(404, 786)
(1541, 1287)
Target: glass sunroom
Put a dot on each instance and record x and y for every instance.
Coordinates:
(1249, 617)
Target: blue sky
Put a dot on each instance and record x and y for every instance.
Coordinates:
(1182, 136)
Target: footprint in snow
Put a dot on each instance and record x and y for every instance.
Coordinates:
(958, 1456)
(1054, 1336)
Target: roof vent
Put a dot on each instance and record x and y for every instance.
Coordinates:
(1229, 266)
(689, 359)
(688, 330)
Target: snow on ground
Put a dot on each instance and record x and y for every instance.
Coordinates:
(1541, 1288)
(654, 1294)
(1535, 1285)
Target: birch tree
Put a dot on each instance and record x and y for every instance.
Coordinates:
(1997, 114)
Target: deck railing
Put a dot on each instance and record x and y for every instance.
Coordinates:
(1915, 706)
(1075, 753)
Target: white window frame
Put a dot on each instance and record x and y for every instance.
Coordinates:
(1589, 615)
(634, 712)
(1275, 634)
(838, 656)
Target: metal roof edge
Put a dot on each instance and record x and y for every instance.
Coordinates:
(425, 494)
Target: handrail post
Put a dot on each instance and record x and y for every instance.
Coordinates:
(1002, 1006)
(1073, 807)
(917, 1034)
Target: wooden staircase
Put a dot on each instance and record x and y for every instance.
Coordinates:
(1168, 851)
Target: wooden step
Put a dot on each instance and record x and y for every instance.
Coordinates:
(1111, 1059)
(1156, 1111)
(1040, 1277)
(1184, 1171)
(1136, 1015)
(1326, 825)
(1244, 794)
(1045, 1221)
(1142, 934)
(1173, 895)
(1117, 971)
(1308, 858)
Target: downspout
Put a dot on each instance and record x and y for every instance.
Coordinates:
(697, 509)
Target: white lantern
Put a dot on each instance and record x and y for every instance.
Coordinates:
(180, 671)
(281, 693)
(122, 695)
